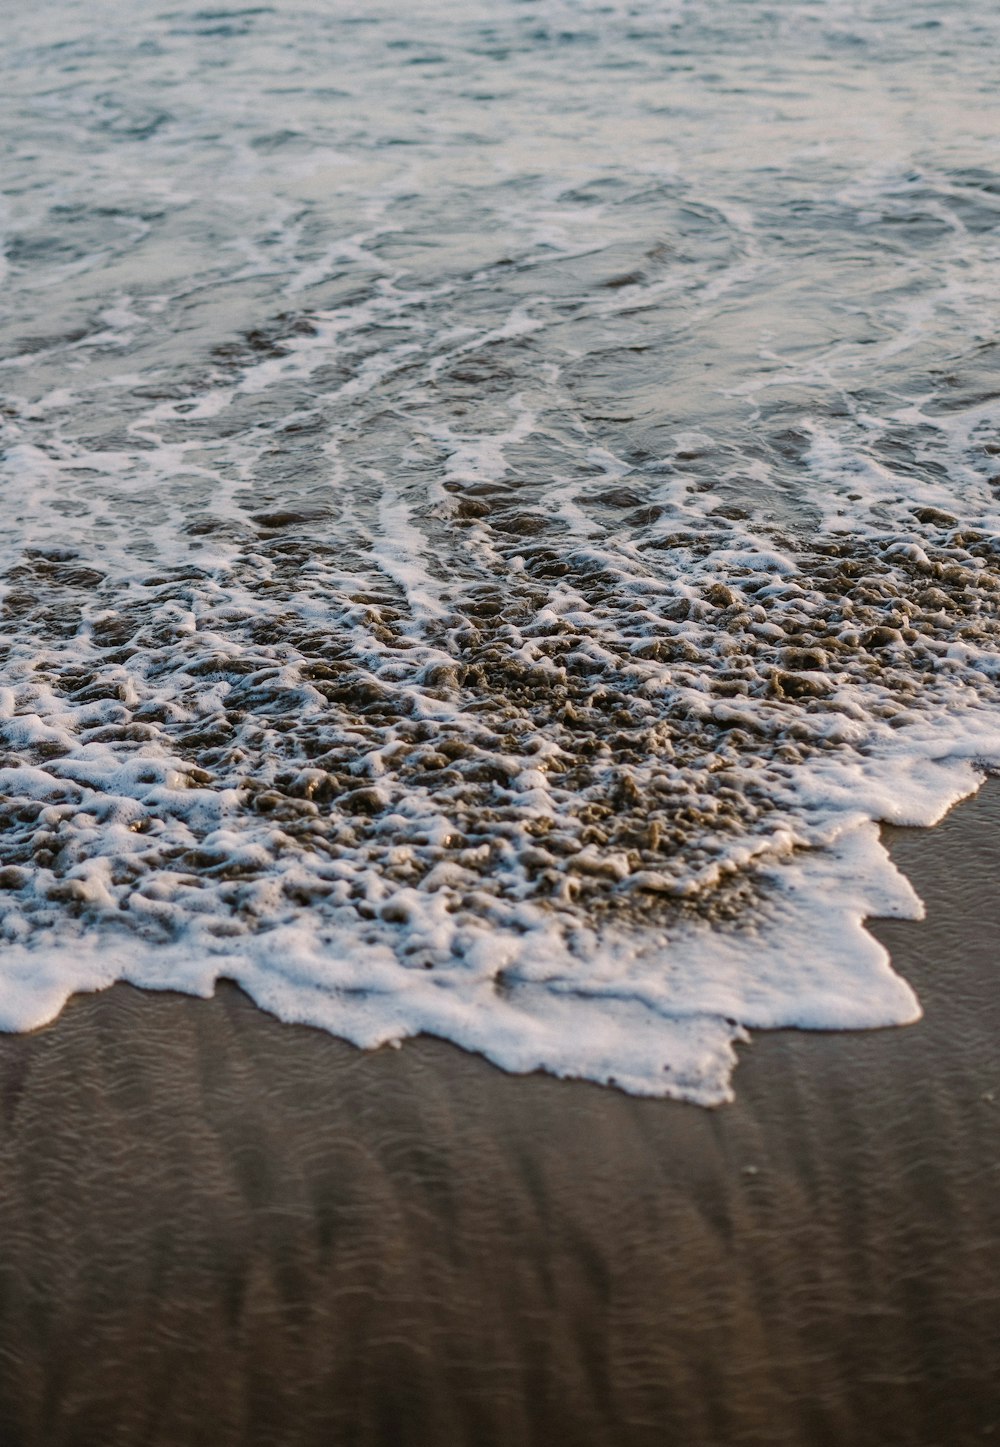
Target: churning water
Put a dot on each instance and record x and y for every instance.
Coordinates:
(497, 498)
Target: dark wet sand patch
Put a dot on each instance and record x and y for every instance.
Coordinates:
(216, 1229)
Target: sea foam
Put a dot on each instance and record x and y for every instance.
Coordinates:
(487, 542)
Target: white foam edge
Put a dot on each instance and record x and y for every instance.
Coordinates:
(652, 1017)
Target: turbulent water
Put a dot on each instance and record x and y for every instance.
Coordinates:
(497, 499)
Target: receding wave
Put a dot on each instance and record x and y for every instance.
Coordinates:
(506, 617)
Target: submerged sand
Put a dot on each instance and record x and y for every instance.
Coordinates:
(216, 1229)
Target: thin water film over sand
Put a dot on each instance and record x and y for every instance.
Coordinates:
(497, 501)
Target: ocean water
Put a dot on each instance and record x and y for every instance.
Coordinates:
(498, 501)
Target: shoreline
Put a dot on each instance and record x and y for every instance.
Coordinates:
(221, 1229)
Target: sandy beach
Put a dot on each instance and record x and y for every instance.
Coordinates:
(500, 501)
(217, 1229)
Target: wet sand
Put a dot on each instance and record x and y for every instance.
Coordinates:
(216, 1229)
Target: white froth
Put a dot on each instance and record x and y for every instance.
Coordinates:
(499, 502)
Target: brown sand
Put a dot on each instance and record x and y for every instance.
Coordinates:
(216, 1229)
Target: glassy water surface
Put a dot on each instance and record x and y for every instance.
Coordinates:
(497, 499)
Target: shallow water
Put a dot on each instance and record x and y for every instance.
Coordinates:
(497, 500)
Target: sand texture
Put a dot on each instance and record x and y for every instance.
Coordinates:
(219, 1230)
